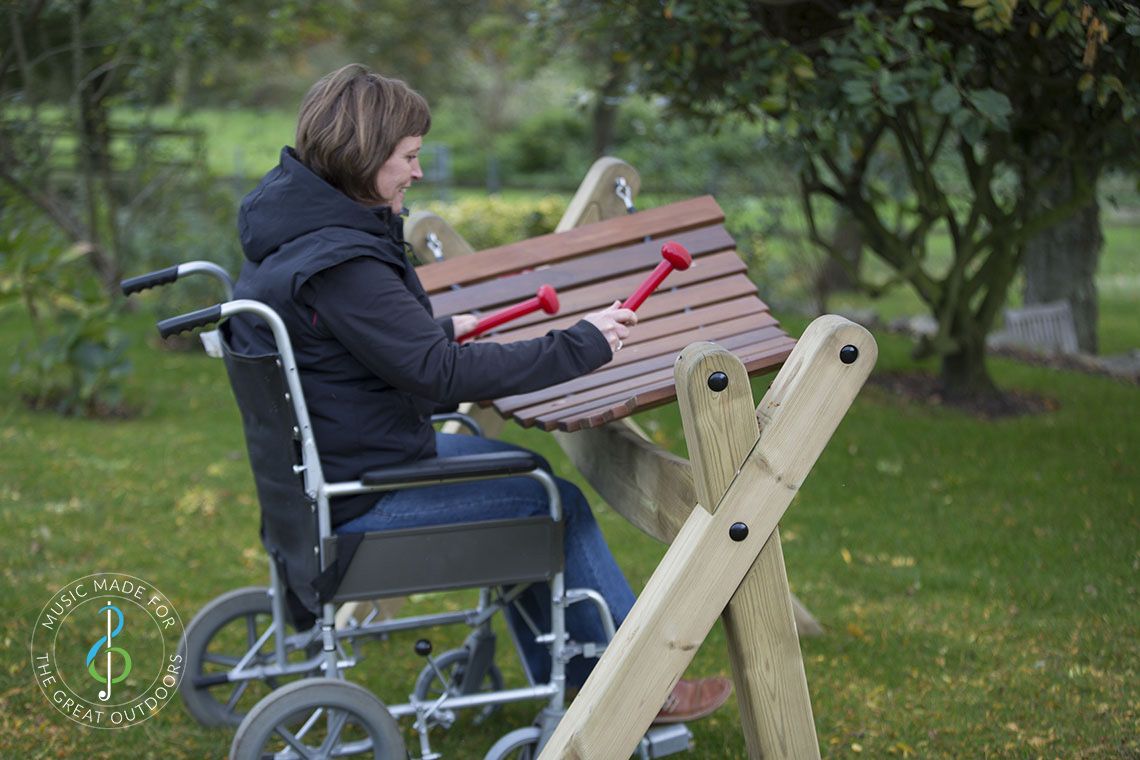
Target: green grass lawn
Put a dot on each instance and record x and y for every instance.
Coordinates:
(978, 580)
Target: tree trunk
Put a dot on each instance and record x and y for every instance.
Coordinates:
(965, 375)
(94, 158)
(1061, 262)
(606, 110)
(835, 276)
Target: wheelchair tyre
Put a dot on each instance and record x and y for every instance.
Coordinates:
(319, 718)
(451, 664)
(520, 744)
(218, 636)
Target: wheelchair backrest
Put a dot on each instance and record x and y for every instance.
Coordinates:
(289, 527)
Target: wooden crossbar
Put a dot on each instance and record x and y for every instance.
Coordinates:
(593, 266)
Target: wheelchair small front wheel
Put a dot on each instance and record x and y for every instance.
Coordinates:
(319, 718)
(452, 665)
(227, 630)
(520, 744)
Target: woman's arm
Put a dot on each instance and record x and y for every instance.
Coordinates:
(366, 306)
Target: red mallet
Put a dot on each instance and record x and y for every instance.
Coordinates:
(546, 299)
(676, 257)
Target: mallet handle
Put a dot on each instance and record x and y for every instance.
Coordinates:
(655, 278)
(675, 257)
(546, 299)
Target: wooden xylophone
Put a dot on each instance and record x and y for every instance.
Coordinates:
(593, 266)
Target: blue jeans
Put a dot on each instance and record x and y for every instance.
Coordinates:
(588, 561)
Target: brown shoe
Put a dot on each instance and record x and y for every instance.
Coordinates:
(691, 700)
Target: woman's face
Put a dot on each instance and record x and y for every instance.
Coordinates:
(399, 171)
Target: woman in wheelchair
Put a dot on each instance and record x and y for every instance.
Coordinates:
(323, 240)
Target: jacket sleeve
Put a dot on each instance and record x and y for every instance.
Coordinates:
(447, 326)
(366, 306)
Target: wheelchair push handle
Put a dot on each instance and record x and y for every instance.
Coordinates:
(184, 322)
(149, 280)
(168, 275)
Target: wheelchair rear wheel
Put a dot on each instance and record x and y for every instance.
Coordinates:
(452, 665)
(222, 633)
(319, 718)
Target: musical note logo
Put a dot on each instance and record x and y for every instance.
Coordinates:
(110, 651)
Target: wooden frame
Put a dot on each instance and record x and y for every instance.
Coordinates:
(739, 474)
(743, 478)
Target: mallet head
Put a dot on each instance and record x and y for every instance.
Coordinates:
(676, 255)
(547, 299)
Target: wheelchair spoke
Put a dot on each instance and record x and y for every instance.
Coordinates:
(296, 743)
(231, 703)
(251, 629)
(336, 721)
(312, 721)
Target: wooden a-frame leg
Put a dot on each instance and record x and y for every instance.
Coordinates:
(424, 228)
(767, 666)
(596, 199)
(711, 555)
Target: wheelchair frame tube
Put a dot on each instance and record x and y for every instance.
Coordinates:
(212, 269)
(479, 700)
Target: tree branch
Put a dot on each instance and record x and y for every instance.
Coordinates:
(933, 202)
(52, 208)
(17, 36)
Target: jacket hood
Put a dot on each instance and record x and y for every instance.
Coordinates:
(292, 201)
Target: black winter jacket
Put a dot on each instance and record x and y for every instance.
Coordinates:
(374, 363)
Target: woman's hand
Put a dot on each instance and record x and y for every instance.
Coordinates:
(463, 323)
(614, 323)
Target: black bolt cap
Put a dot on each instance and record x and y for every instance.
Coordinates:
(848, 354)
(718, 381)
(738, 531)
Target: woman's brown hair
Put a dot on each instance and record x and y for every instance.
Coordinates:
(350, 123)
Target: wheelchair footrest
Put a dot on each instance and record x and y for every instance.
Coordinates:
(662, 741)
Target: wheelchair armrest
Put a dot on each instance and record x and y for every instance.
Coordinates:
(443, 469)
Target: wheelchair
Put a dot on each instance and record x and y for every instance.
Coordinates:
(273, 660)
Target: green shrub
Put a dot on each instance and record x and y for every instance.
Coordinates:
(199, 222)
(555, 141)
(496, 220)
(75, 362)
